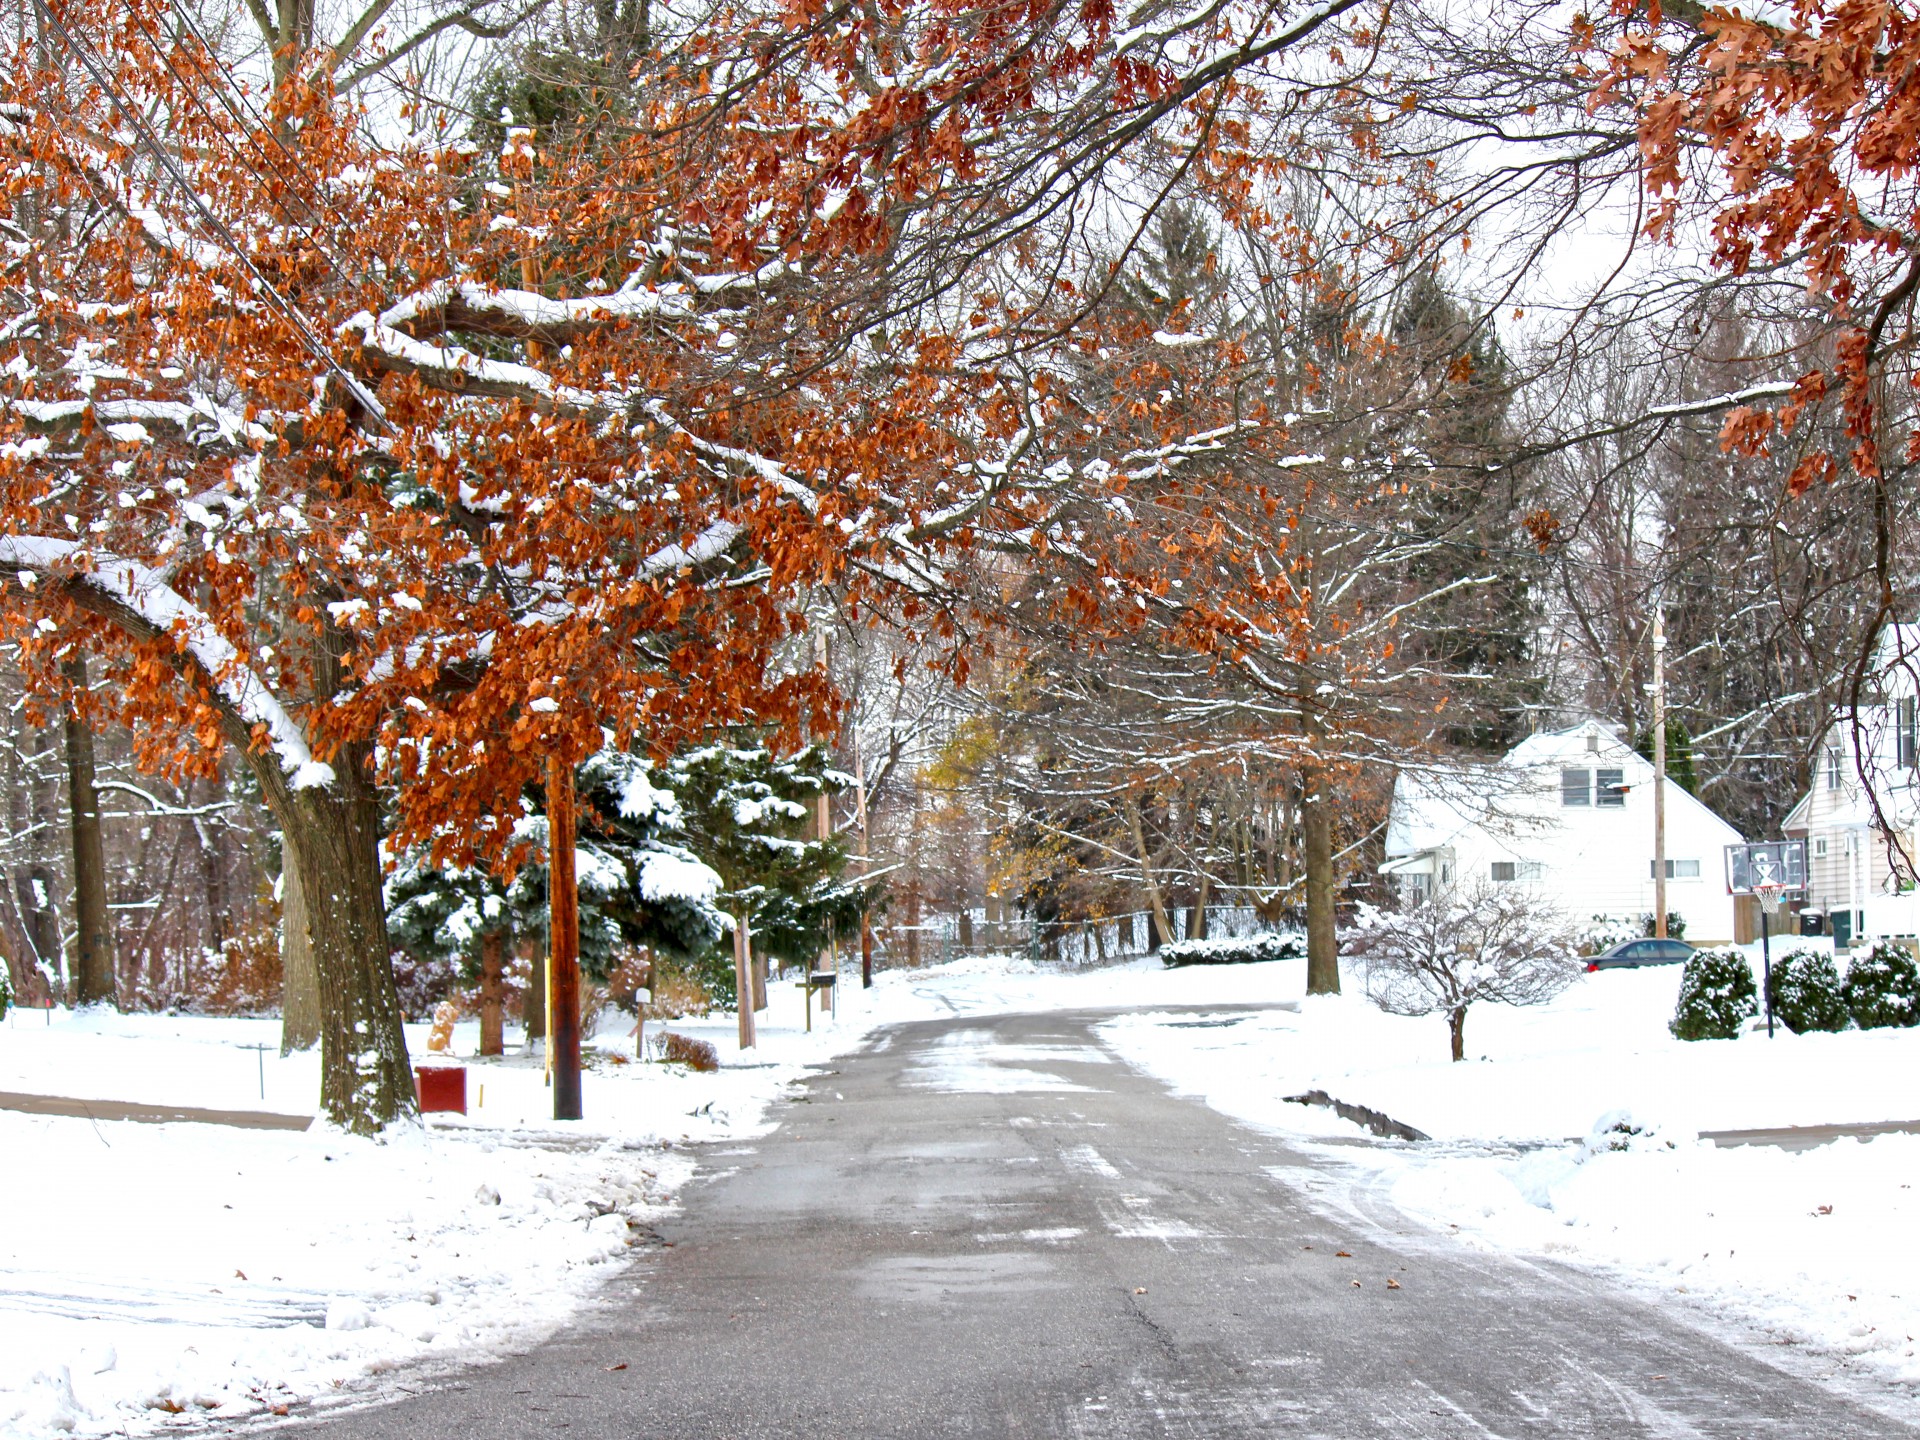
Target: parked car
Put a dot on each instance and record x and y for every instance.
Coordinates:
(1641, 952)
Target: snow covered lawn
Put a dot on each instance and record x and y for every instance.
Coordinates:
(158, 1272)
(1812, 1247)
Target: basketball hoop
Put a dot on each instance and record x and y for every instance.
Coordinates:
(1768, 892)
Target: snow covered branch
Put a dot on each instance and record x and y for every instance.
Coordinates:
(139, 600)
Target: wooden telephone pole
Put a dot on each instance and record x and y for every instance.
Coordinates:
(563, 943)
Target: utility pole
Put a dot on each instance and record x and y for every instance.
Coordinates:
(563, 943)
(743, 976)
(1659, 774)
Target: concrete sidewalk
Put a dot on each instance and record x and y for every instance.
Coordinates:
(66, 1105)
(1808, 1137)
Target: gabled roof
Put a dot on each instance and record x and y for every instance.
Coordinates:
(1434, 804)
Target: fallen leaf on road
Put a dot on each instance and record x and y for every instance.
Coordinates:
(1823, 1210)
(621, 1366)
(1392, 1284)
(1354, 1283)
(239, 1274)
(1343, 1254)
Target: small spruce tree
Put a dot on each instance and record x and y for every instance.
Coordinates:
(1883, 987)
(1804, 991)
(1717, 996)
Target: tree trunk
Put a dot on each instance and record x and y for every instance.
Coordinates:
(1457, 1024)
(1156, 902)
(533, 1006)
(331, 836)
(1323, 947)
(493, 969)
(93, 981)
(1197, 921)
(299, 983)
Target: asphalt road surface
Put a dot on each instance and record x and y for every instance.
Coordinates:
(993, 1228)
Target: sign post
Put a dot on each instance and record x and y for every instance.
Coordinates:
(1766, 871)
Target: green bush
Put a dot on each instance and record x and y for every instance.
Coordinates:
(1717, 995)
(1804, 991)
(6, 992)
(1883, 987)
(1233, 951)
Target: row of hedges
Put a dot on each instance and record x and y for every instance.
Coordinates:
(1235, 951)
(1717, 993)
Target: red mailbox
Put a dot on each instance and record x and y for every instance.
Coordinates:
(441, 1087)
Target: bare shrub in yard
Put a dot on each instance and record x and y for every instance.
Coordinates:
(684, 1050)
(1442, 952)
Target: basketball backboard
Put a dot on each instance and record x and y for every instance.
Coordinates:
(1770, 863)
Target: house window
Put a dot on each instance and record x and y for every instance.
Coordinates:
(1904, 732)
(1576, 787)
(1611, 786)
(1506, 870)
(1593, 743)
(1833, 767)
(1678, 869)
(1820, 848)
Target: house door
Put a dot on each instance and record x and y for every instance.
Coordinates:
(1842, 929)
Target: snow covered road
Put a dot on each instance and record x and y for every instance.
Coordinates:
(990, 1225)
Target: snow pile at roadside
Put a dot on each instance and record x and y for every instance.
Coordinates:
(1813, 1246)
(169, 1269)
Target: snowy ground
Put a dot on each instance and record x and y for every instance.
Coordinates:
(1813, 1248)
(159, 1272)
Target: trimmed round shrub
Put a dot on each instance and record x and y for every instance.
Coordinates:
(1883, 987)
(1717, 996)
(1804, 991)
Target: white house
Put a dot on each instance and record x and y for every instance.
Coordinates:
(1569, 812)
(1853, 889)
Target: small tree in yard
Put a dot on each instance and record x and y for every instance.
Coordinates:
(1442, 952)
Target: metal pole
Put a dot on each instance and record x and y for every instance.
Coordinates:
(1766, 967)
(1659, 775)
(563, 942)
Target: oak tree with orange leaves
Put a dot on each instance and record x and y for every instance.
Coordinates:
(407, 466)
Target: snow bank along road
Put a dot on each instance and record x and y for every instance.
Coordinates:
(991, 1227)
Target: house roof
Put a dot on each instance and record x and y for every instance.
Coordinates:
(1433, 805)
